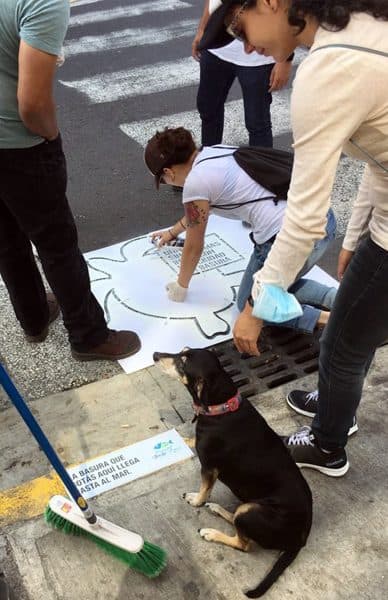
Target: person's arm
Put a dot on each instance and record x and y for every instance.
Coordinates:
(42, 28)
(35, 91)
(201, 28)
(280, 75)
(358, 224)
(196, 215)
(164, 236)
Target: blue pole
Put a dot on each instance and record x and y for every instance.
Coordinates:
(43, 442)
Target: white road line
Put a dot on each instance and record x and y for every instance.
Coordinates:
(82, 2)
(150, 79)
(130, 37)
(234, 132)
(125, 12)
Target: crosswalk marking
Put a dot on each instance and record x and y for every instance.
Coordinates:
(150, 79)
(128, 38)
(125, 12)
(234, 132)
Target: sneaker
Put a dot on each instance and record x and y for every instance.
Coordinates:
(306, 403)
(54, 311)
(304, 449)
(118, 345)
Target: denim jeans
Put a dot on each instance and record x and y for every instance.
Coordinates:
(312, 295)
(216, 79)
(358, 324)
(33, 206)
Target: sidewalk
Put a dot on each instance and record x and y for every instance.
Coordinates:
(345, 557)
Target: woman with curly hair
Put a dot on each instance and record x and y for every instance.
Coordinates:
(339, 104)
(213, 182)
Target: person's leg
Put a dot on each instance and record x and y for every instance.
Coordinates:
(20, 273)
(311, 315)
(320, 246)
(254, 83)
(216, 78)
(358, 325)
(33, 188)
(255, 263)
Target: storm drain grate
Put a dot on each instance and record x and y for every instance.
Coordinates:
(285, 355)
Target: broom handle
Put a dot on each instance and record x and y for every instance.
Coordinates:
(45, 445)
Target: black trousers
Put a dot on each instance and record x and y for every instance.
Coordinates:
(33, 206)
(358, 324)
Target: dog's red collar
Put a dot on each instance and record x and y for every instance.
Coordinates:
(230, 405)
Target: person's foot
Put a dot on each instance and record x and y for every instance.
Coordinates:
(306, 452)
(306, 403)
(54, 311)
(118, 345)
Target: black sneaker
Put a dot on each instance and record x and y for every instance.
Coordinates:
(306, 453)
(306, 403)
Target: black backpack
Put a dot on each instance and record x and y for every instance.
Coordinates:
(269, 167)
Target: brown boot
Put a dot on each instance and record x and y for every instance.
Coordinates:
(119, 344)
(54, 311)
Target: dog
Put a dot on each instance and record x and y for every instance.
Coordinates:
(236, 445)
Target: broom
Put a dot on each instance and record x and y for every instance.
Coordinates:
(77, 517)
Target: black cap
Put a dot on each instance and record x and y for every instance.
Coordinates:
(215, 34)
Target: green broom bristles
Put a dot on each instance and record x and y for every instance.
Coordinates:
(150, 561)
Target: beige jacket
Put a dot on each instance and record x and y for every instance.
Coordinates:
(338, 94)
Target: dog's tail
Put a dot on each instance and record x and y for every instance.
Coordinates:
(284, 560)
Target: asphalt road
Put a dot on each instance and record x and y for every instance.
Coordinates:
(110, 190)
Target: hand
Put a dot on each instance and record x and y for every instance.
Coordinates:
(176, 292)
(344, 258)
(195, 53)
(280, 75)
(162, 237)
(246, 332)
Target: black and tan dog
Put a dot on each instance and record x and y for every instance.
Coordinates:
(235, 445)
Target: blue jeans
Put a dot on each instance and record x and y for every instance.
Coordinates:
(358, 325)
(312, 296)
(216, 78)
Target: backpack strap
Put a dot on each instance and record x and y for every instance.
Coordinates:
(235, 204)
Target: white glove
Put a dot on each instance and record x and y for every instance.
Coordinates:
(176, 292)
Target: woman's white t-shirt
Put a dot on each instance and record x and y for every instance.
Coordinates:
(235, 53)
(221, 181)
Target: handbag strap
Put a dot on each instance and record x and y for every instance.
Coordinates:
(352, 47)
(371, 51)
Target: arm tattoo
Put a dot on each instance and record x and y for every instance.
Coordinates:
(194, 214)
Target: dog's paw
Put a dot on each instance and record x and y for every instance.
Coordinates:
(213, 507)
(208, 534)
(192, 498)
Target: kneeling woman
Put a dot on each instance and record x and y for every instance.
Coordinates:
(222, 187)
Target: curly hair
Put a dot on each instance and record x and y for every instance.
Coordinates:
(177, 145)
(334, 15)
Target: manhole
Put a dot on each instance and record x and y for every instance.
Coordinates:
(285, 355)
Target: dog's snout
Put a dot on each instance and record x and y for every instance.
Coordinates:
(156, 356)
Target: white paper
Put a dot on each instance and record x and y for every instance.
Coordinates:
(129, 280)
(127, 464)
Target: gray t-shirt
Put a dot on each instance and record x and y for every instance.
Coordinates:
(41, 24)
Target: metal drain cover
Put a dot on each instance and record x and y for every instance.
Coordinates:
(285, 355)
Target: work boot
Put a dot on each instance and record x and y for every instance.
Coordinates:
(119, 344)
(54, 311)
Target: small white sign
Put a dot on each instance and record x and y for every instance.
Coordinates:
(121, 466)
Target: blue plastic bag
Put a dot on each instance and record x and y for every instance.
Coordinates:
(276, 305)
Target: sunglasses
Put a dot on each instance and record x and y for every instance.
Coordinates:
(233, 28)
